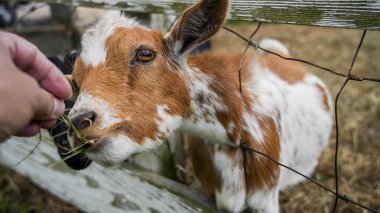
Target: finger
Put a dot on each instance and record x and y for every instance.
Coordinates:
(28, 58)
(50, 77)
(47, 107)
(30, 130)
(45, 124)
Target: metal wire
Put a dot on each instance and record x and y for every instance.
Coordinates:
(242, 56)
(337, 122)
(354, 77)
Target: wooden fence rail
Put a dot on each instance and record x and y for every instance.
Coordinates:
(97, 189)
(345, 14)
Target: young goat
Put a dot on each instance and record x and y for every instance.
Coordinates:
(138, 85)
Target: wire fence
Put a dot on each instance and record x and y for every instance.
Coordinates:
(348, 77)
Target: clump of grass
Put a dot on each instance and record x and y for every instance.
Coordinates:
(71, 152)
(77, 150)
(71, 126)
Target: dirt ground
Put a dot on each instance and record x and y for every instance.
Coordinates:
(359, 116)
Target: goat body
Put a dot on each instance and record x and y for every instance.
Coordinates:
(286, 114)
(137, 86)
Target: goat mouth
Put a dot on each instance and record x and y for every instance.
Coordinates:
(79, 154)
(77, 143)
(92, 144)
(97, 152)
(98, 144)
(73, 158)
(93, 147)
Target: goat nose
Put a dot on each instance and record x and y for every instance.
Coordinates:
(84, 120)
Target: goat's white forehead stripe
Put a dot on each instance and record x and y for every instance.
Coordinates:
(87, 102)
(94, 51)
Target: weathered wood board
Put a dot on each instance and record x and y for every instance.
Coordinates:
(364, 14)
(96, 189)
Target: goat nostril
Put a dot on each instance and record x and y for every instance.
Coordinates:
(84, 120)
(85, 123)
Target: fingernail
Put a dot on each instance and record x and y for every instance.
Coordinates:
(59, 108)
(70, 89)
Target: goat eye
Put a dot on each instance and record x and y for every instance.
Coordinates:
(145, 55)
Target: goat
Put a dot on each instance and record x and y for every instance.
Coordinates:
(137, 86)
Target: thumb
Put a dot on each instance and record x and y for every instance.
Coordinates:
(48, 107)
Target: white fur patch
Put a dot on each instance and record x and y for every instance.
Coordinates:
(86, 102)
(119, 148)
(94, 51)
(252, 126)
(232, 195)
(167, 123)
(231, 127)
(274, 46)
(265, 201)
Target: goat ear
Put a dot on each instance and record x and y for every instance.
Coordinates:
(196, 25)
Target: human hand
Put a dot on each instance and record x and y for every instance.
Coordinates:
(32, 89)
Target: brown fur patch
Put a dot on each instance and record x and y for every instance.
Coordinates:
(201, 172)
(79, 71)
(290, 71)
(261, 172)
